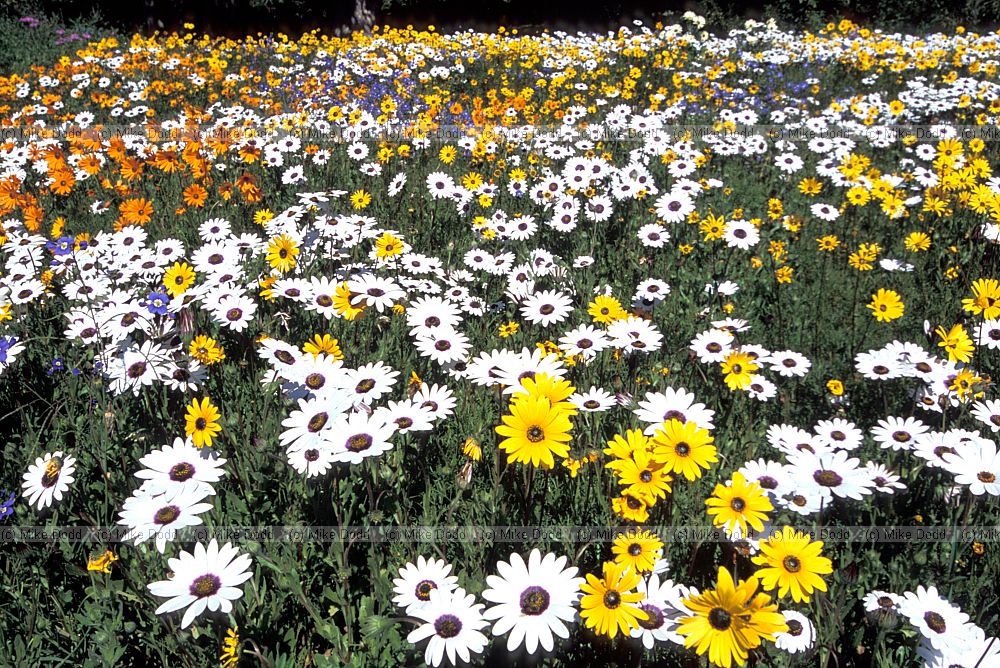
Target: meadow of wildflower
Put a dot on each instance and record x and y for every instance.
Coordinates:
(653, 347)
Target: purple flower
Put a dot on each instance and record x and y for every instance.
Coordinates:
(7, 505)
(64, 246)
(157, 303)
(5, 344)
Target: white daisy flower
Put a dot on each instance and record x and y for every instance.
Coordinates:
(452, 623)
(942, 624)
(48, 479)
(207, 579)
(161, 516)
(800, 636)
(416, 581)
(532, 601)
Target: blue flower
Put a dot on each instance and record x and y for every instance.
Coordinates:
(157, 303)
(57, 365)
(7, 505)
(5, 344)
(64, 246)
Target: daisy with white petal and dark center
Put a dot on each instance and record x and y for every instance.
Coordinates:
(878, 365)
(322, 292)
(838, 433)
(438, 400)
(712, 346)
(882, 601)
(522, 228)
(886, 481)
(546, 307)
(796, 441)
(527, 364)
(215, 258)
(375, 292)
(215, 229)
(977, 651)
(926, 368)
(488, 367)
(440, 185)
(428, 314)
(896, 433)
(988, 412)
(310, 460)
(674, 206)
(976, 466)
(48, 479)
(163, 515)
(934, 446)
(452, 623)
(443, 345)
(652, 289)
(397, 183)
(532, 601)
(356, 436)
(185, 377)
(732, 325)
(942, 624)
(761, 388)
(988, 334)
(594, 400)
(741, 234)
(789, 163)
(308, 426)
(799, 637)
(280, 355)
(407, 415)
(755, 351)
(660, 601)
(295, 289)
(315, 375)
(673, 404)
(634, 334)
(477, 259)
(138, 368)
(788, 363)
(25, 291)
(598, 209)
(178, 463)
(786, 437)
(209, 578)
(825, 211)
(832, 474)
(417, 580)
(771, 476)
(585, 340)
(368, 383)
(803, 499)
(235, 312)
(653, 235)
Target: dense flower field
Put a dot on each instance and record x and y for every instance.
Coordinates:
(717, 313)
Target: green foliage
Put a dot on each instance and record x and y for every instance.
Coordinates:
(43, 38)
